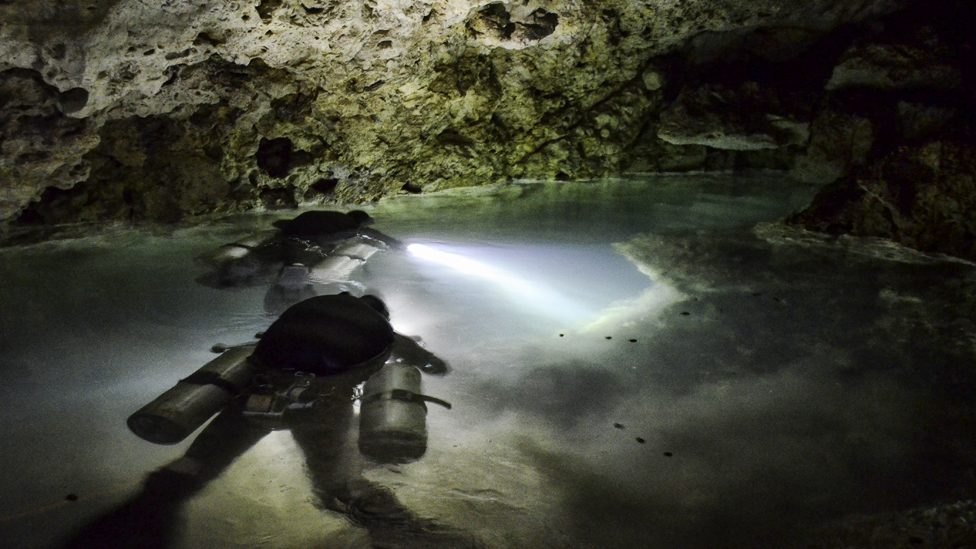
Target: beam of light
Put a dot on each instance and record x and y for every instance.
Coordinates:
(541, 299)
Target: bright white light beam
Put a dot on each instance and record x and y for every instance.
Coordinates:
(544, 300)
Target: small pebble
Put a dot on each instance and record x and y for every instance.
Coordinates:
(561, 335)
(618, 425)
(609, 337)
(632, 340)
(640, 440)
(71, 497)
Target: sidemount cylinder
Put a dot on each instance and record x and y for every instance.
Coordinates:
(175, 414)
(393, 415)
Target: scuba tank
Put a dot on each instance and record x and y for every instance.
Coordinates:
(178, 412)
(244, 262)
(235, 251)
(307, 264)
(393, 415)
(342, 261)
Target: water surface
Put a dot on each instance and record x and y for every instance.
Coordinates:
(696, 386)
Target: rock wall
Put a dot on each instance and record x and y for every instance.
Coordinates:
(127, 110)
(899, 121)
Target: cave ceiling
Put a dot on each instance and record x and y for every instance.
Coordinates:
(131, 110)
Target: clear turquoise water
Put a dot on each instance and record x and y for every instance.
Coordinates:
(588, 409)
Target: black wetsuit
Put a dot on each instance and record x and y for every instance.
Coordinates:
(317, 224)
(326, 335)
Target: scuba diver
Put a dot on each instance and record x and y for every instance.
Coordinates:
(318, 246)
(304, 374)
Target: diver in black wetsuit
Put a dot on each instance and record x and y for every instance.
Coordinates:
(305, 240)
(322, 247)
(306, 371)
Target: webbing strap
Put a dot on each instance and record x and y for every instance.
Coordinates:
(211, 378)
(408, 396)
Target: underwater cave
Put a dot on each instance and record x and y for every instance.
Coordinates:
(619, 275)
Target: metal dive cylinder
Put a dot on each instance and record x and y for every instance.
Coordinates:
(393, 415)
(235, 251)
(342, 261)
(191, 402)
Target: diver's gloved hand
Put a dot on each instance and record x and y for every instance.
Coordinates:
(435, 367)
(410, 350)
(382, 239)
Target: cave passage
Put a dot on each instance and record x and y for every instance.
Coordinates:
(632, 365)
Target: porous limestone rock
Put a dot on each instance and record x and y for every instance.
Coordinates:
(899, 137)
(894, 67)
(919, 196)
(37, 142)
(923, 121)
(750, 118)
(839, 143)
(157, 110)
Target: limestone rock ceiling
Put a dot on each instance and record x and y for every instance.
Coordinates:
(129, 109)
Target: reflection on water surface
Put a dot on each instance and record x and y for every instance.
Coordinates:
(696, 386)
